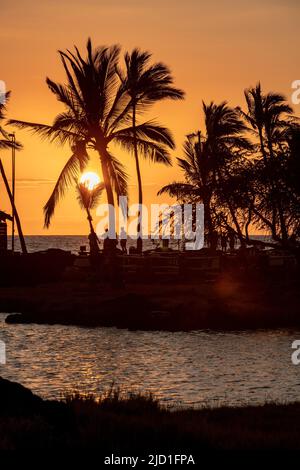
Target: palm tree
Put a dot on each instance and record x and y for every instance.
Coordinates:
(207, 164)
(146, 84)
(88, 200)
(226, 144)
(197, 186)
(267, 117)
(97, 115)
(7, 143)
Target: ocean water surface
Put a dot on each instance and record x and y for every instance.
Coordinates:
(189, 368)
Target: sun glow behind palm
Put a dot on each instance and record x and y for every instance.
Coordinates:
(90, 179)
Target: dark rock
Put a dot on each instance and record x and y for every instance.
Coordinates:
(17, 400)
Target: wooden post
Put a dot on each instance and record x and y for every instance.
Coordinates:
(22, 240)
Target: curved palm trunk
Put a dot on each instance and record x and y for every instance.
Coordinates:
(263, 151)
(207, 212)
(276, 203)
(90, 219)
(234, 218)
(262, 147)
(139, 242)
(283, 228)
(237, 225)
(94, 246)
(18, 222)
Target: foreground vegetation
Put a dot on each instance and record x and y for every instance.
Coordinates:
(133, 424)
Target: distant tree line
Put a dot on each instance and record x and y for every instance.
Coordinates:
(245, 167)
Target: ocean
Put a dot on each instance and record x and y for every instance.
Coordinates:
(73, 242)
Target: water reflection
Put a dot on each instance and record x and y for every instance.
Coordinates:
(189, 368)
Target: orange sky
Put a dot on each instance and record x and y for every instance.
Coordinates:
(215, 48)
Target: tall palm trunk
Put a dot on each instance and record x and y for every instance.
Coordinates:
(18, 222)
(265, 158)
(282, 223)
(208, 217)
(139, 242)
(262, 146)
(108, 187)
(237, 225)
(234, 217)
(90, 219)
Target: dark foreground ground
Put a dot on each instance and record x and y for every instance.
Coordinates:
(228, 302)
(136, 425)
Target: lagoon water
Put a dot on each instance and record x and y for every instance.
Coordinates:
(195, 368)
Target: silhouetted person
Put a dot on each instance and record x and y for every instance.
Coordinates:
(123, 240)
(113, 267)
(106, 242)
(165, 244)
(96, 260)
(109, 244)
(224, 242)
(214, 240)
(94, 244)
(232, 240)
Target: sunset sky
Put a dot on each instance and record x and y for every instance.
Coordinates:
(215, 49)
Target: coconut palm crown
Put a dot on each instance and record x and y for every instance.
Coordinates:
(97, 117)
(146, 84)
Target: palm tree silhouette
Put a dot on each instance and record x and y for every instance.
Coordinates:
(7, 143)
(207, 163)
(267, 116)
(88, 200)
(98, 110)
(146, 84)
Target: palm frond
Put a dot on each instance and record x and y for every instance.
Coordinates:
(88, 199)
(45, 131)
(70, 171)
(147, 83)
(118, 175)
(148, 130)
(177, 189)
(155, 152)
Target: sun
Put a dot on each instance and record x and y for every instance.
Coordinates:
(90, 179)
